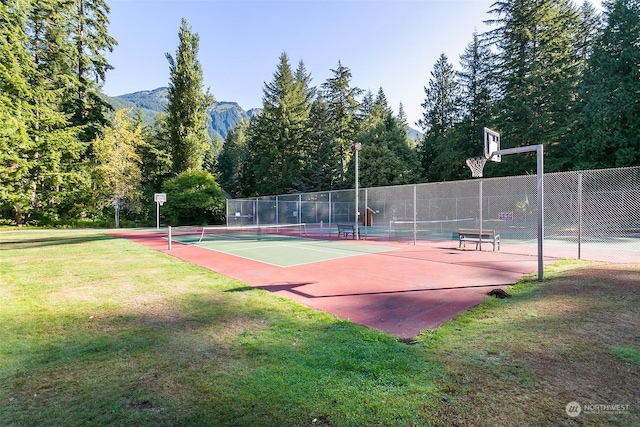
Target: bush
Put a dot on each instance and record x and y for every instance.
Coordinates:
(194, 198)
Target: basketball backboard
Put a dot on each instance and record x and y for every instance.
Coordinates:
(491, 145)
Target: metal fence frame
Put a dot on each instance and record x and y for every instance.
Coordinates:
(593, 214)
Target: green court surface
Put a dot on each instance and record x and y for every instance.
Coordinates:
(282, 251)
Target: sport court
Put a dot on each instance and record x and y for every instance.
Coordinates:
(400, 288)
(280, 246)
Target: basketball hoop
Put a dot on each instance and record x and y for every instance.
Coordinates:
(476, 164)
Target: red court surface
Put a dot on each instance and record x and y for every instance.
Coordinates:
(402, 292)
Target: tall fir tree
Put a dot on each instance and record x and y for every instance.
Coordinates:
(402, 117)
(438, 152)
(88, 27)
(538, 66)
(156, 158)
(342, 100)
(479, 92)
(386, 157)
(232, 157)
(366, 108)
(187, 104)
(279, 137)
(323, 159)
(16, 148)
(608, 125)
(60, 171)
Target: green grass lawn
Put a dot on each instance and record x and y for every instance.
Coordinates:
(101, 331)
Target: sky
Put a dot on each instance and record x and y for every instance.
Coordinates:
(392, 44)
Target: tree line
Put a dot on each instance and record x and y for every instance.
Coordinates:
(547, 72)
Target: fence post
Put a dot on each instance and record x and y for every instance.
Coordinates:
(579, 214)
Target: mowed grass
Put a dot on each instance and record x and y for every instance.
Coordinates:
(102, 331)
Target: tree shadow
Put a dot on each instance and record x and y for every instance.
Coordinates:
(52, 241)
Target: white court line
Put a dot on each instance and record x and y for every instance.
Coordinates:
(337, 254)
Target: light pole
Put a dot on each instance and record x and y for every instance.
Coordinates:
(356, 147)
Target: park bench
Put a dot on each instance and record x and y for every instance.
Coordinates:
(347, 229)
(474, 235)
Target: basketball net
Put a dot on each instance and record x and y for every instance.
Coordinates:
(476, 164)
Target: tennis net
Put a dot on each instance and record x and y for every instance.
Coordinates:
(441, 228)
(253, 232)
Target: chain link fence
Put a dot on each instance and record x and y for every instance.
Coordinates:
(593, 215)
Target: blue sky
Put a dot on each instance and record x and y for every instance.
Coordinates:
(391, 44)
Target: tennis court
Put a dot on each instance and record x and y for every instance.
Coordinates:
(397, 287)
(281, 246)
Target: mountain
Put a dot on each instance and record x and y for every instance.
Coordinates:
(415, 134)
(224, 115)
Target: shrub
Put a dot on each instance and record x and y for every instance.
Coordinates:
(194, 197)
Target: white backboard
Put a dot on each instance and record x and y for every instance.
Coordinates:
(491, 145)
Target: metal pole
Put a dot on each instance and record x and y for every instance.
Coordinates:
(356, 213)
(415, 215)
(579, 214)
(257, 210)
(169, 237)
(366, 213)
(540, 172)
(480, 206)
(157, 215)
(539, 149)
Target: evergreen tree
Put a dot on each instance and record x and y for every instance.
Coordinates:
(210, 162)
(366, 108)
(478, 93)
(380, 108)
(279, 138)
(441, 108)
(608, 128)
(589, 28)
(16, 148)
(187, 105)
(402, 117)
(538, 65)
(438, 152)
(323, 159)
(88, 28)
(60, 178)
(386, 157)
(343, 108)
(232, 158)
(155, 154)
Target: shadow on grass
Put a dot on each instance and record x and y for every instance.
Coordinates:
(52, 241)
(235, 358)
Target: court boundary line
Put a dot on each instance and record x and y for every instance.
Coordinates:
(230, 253)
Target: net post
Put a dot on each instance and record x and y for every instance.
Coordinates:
(169, 237)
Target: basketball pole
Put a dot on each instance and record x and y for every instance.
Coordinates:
(539, 149)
